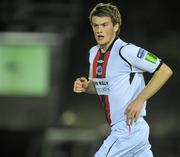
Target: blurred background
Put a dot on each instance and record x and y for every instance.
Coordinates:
(44, 47)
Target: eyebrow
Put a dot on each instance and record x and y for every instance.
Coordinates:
(100, 23)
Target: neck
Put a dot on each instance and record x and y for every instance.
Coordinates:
(105, 47)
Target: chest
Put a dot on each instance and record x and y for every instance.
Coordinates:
(108, 65)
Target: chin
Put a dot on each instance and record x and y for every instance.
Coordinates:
(101, 42)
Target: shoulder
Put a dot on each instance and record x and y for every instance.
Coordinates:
(93, 49)
(129, 49)
(118, 44)
(123, 47)
(92, 52)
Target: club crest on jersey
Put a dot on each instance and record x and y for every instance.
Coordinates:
(141, 53)
(99, 70)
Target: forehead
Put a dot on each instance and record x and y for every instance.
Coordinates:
(99, 20)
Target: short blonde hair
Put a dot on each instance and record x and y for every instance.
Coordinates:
(108, 10)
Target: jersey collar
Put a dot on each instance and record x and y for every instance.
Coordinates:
(110, 47)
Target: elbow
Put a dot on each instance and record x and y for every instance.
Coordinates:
(170, 72)
(167, 70)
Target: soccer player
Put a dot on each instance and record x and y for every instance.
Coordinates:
(116, 75)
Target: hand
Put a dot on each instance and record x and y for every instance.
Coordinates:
(133, 110)
(80, 85)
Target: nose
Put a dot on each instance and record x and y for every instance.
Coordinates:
(99, 29)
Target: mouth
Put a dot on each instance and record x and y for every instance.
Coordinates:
(100, 37)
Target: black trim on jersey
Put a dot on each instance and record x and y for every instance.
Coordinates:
(123, 57)
(161, 62)
(131, 76)
(110, 47)
(111, 147)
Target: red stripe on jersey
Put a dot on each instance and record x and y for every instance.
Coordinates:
(107, 109)
(106, 57)
(103, 98)
(106, 98)
(95, 62)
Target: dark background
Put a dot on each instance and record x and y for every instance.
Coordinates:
(153, 25)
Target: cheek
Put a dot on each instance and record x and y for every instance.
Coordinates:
(94, 32)
(110, 33)
(110, 30)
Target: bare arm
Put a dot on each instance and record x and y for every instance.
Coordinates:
(83, 85)
(157, 81)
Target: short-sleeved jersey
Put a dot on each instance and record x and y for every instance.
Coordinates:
(118, 76)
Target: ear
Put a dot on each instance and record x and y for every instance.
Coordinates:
(116, 27)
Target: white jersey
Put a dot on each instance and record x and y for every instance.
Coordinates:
(118, 76)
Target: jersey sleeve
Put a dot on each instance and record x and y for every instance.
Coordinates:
(140, 58)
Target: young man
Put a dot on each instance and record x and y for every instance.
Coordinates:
(116, 75)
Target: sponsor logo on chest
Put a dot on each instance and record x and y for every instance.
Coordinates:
(102, 86)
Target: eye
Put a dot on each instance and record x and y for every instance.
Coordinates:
(104, 24)
(95, 25)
